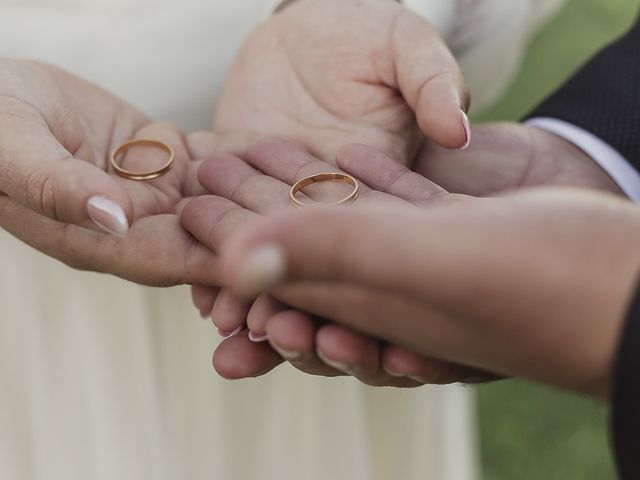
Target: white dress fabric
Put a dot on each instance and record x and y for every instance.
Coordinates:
(102, 379)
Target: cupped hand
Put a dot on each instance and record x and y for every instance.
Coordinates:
(510, 156)
(332, 72)
(534, 284)
(60, 195)
(241, 193)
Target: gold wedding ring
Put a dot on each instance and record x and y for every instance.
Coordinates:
(325, 177)
(143, 176)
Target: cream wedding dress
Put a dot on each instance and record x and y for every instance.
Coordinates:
(102, 379)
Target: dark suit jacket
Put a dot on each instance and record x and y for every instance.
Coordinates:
(604, 98)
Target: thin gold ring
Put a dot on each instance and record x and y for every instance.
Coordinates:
(325, 177)
(143, 176)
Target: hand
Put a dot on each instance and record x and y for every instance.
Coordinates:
(327, 73)
(56, 134)
(244, 192)
(534, 285)
(509, 156)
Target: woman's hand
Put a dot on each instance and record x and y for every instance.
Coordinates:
(332, 72)
(534, 285)
(60, 196)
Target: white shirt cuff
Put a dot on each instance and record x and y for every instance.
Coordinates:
(609, 159)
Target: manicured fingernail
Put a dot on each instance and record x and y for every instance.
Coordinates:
(467, 130)
(287, 354)
(391, 373)
(261, 270)
(226, 335)
(108, 216)
(424, 381)
(258, 338)
(343, 367)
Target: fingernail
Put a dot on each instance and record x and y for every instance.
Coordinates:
(108, 216)
(226, 335)
(391, 373)
(255, 338)
(424, 381)
(467, 130)
(343, 367)
(262, 269)
(287, 354)
(205, 315)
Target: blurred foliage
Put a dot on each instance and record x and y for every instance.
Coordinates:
(530, 432)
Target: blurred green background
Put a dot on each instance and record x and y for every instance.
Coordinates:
(529, 432)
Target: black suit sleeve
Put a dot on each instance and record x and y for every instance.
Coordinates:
(626, 397)
(604, 97)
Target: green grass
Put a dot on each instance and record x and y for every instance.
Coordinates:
(530, 432)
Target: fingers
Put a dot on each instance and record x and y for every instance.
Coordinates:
(204, 298)
(330, 245)
(386, 175)
(232, 178)
(238, 357)
(156, 252)
(431, 81)
(229, 313)
(41, 175)
(264, 308)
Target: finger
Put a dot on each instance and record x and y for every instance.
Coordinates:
(229, 313)
(41, 175)
(357, 355)
(386, 175)
(211, 220)
(500, 159)
(343, 243)
(147, 256)
(430, 80)
(232, 178)
(400, 362)
(292, 334)
(261, 311)
(238, 357)
(289, 162)
(204, 298)
(203, 144)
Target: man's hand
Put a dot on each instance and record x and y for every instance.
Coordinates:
(509, 156)
(534, 285)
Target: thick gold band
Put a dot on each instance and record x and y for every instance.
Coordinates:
(326, 177)
(143, 176)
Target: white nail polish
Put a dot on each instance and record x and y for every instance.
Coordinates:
(342, 367)
(258, 338)
(467, 130)
(226, 335)
(108, 216)
(262, 269)
(287, 354)
(393, 374)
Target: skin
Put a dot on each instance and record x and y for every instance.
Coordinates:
(454, 289)
(327, 73)
(57, 132)
(293, 334)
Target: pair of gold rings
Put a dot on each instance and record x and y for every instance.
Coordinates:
(168, 165)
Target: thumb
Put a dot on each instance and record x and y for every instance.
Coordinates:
(40, 174)
(329, 245)
(429, 78)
